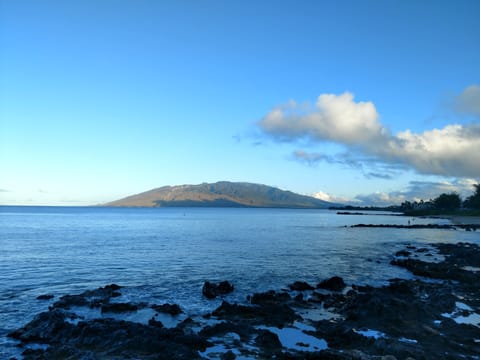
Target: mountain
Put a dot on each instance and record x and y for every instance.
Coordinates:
(221, 194)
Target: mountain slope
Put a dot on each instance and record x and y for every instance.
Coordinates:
(221, 194)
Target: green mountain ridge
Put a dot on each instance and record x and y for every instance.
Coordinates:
(221, 194)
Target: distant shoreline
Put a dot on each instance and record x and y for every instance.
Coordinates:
(461, 219)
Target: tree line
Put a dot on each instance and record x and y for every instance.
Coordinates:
(445, 202)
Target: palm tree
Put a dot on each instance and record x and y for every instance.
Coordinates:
(473, 202)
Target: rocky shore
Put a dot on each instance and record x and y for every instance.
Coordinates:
(466, 227)
(434, 316)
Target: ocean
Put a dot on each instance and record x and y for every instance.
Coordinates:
(165, 254)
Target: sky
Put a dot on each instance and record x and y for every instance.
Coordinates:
(362, 102)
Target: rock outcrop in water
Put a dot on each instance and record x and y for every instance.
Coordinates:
(466, 227)
(335, 283)
(211, 290)
(406, 319)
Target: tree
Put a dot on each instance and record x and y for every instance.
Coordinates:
(473, 202)
(406, 205)
(450, 202)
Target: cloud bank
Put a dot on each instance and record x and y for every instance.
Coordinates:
(415, 191)
(450, 151)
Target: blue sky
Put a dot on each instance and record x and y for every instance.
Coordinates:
(361, 101)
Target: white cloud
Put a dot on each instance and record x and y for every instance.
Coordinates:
(380, 199)
(469, 100)
(450, 151)
(335, 118)
(418, 190)
(332, 198)
(322, 196)
(425, 190)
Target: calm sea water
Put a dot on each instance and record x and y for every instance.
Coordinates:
(165, 255)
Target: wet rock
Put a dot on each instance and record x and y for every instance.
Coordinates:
(112, 287)
(212, 290)
(32, 354)
(172, 309)
(268, 340)
(416, 226)
(43, 327)
(45, 297)
(269, 297)
(108, 338)
(316, 297)
(403, 253)
(298, 298)
(472, 227)
(362, 288)
(155, 323)
(91, 298)
(118, 307)
(443, 270)
(300, 286)
(68, 301)
(270, 314)
(242, 328)
(209, 290)
(335, 283)
(333, 300)
(229, 355)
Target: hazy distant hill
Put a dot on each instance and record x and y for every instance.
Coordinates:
(221, 194)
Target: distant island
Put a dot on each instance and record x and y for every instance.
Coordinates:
(222, 194)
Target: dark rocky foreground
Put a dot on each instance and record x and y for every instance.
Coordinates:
(432, 317)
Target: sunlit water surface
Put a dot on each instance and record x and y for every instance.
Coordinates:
(165, 255)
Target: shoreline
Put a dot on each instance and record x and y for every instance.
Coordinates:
(466, 227)
(436, 315)
(462, 219)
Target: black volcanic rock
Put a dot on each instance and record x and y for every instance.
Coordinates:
(269, 340)
(212, 290)
(172, 309)
(404, 253)
(468, 227)
(269, 297)
(106, 339)
(43, 327)
(300, 286)
(335, 283)
(118, 307)
(270, 314)
(92, 298)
